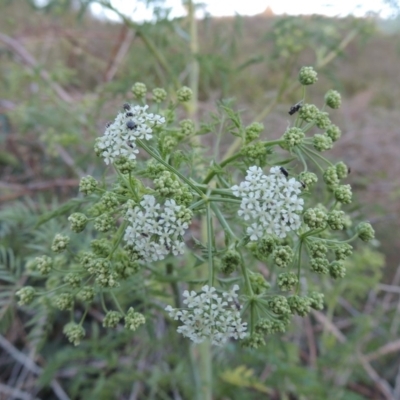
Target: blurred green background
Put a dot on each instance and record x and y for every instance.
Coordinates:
(63, 75)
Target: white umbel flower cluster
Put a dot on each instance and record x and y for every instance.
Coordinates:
(120, 137)
(156, 231)
(210, 316)
(271, 200)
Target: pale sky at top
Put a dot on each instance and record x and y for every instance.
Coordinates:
(341, 8)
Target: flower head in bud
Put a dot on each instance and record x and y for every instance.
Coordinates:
(333, 99)
(365, 231)
(60, 243)
(258, 283)
(283, 256)
(330, 177)
(292, 138)
(187, 128)
(86, 294)
(256, 152)
(342, 251)
(159, 95)
(342, 170)
(343, 194)
(133, 319)
(319, 265)
(307, 76)
(125, 165)
(308, 112)
(318, 249)
(333, 132)
(322, 142)
(299, 305)
(252, 132)
(26, 295)
(322, 120)
(337, 269)
(110, 201)
(104, 223)
(44, 264)
(255, 341)
(279, 305)
(112, 319)
(184, 94)
(265, 246)
(88, 185)
(309, 179)
(74, 332)
(139, 89)
(316, 300)
(287, 281)
(336, 220)
(230, 261)
(73, 280)
(63, 301)
(315, 218)
(78, 222)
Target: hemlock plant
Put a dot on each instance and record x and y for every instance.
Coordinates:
(253, 207)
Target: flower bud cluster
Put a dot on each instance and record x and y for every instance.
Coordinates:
(156, 231)
(133, 319)
(74, 332)
(272, 200)
(120, 137)
(60, 243)
(307, 76)
(209, 315)
(292, 138)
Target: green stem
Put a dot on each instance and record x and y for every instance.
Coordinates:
(210, 245)
(117, 302)
(222, 219)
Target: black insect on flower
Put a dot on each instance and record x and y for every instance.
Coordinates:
(129, 114)
(284, 171)
(131, 125)
(348, 170)
(295, 108)
(127, 107)
(108, 124)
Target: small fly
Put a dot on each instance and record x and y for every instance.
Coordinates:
(295, 108)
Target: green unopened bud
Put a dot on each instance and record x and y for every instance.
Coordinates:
(342, 170)
(309, 179)
(337, 220)
(112, 319)
(255, 152)
(330, 177)
(307, 76)
(265, 247)
(316, 300)
(315, 218)
(159, 95)
(110, 201)
(333, 99)
(342, 251)
(333, 132)
(88, 185)
(133, 319)
(322, 120)
(26, 295)
(292, 138)
(44, 264)
(258, 283)
(279, 305)
(318, 249)
(322, 142)
(139, 89)
(337, 269)
(287, 281)
(320, 265)
(308, 112)
(104, 223)
(125, 165)
(343, 194)
(283, 256)
(188, 128)
(299, 305)
(255, 341)
(63, 301)
(230, 261)
(86, 294)
(72, 279)
(78, 222)
(74, 333)
(184, 94)
(60, 243)
(253, 131)
(365, 231)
